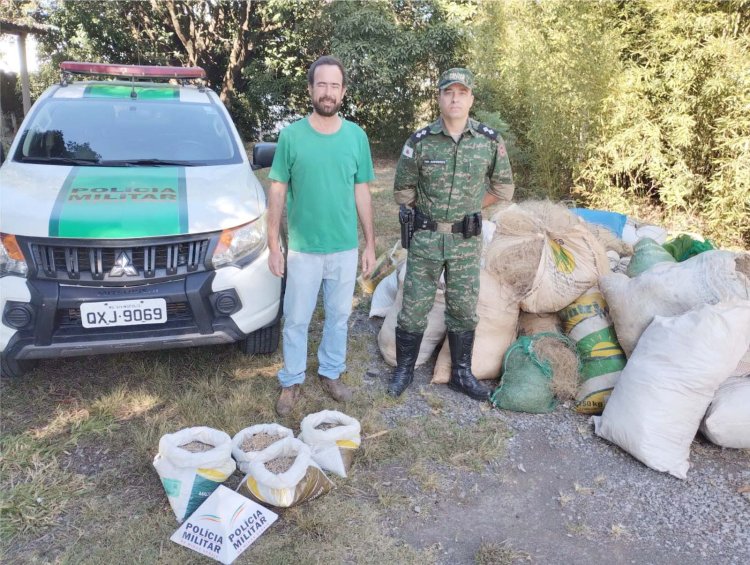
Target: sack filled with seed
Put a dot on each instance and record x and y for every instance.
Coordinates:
(192, 463)
(284, 474)
(247, 444)
(333, 437)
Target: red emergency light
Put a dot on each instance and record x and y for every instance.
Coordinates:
(132, 71)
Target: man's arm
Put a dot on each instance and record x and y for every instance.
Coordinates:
(501, 178)
(489, 199)
(407, 176)
(363, 200)
(276, 202)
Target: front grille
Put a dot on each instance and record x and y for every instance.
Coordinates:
(119, 264)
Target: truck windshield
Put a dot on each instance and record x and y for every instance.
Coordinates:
(123, 132)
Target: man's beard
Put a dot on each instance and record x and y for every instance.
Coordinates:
(320, 109)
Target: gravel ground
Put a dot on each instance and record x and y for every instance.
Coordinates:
(562, 494)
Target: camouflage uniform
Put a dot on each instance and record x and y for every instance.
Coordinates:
(448, 180)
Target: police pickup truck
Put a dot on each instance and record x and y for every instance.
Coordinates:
(131, 220)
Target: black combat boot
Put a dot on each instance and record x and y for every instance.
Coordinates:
(407, 350)
(462, 379)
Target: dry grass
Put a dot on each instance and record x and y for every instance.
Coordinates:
(564, 363)
(499, 553)
(79, 436)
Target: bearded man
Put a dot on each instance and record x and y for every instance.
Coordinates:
(321, 169)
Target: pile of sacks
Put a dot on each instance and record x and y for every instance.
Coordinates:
(537, 258)
(554, 285)
(279, 469)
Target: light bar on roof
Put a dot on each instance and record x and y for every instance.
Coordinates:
(132, 71)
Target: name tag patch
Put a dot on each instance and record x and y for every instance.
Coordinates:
(434, 162)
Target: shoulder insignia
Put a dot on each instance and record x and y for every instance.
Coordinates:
(420, 135)
(487, 131)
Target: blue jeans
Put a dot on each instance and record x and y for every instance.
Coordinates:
(305, 272)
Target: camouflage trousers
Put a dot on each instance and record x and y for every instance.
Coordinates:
(461, 266)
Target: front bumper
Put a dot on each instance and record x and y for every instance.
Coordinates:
(198, 313)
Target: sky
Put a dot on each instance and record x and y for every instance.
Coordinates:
(9, 60)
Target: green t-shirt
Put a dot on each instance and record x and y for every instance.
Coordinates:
(321, 171)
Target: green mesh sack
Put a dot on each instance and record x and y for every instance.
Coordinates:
(526, 382)
(684, 247)
(646, 254)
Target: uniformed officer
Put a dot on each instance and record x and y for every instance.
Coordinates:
(447, 171)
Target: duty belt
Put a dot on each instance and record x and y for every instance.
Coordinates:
(470, 225)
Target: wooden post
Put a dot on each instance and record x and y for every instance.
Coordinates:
(24, 73)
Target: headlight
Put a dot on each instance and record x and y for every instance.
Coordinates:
(242, 244)
(11, 258)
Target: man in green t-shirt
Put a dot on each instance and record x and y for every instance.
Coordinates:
(322, 168)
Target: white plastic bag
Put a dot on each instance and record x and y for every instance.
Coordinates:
(384, 295)
(189, 478)
(244, 458)
(301, 482)
(666, 386)
(727, 422)
(332, 449)
(224, 525)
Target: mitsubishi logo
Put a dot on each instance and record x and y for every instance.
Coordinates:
(123, 266)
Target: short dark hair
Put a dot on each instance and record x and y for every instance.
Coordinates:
(326, 60)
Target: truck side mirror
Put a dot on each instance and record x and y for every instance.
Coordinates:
(263, 155)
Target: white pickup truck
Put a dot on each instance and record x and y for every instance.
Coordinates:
(130, 220)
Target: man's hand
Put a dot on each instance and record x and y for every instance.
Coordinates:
(276, 263)
(368, 261)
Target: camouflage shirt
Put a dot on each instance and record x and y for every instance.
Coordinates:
(448, 179)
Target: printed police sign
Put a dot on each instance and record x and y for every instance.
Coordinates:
(224, 525)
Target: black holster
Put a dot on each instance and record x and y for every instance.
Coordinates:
(472, 225)
(406, 219)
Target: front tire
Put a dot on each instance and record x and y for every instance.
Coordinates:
(262, 341)
(14, 368)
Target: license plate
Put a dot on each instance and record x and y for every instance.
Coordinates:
(123, 313)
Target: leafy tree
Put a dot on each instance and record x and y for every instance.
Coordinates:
(545, 67)
(676, 127)
(630, 106)
(256, 54)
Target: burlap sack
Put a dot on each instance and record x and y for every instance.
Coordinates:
(546, 254)
(433, 334)
(532, 324)
(498, 317)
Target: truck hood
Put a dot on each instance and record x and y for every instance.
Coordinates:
(126, 202)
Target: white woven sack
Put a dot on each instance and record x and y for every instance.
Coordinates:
(666, 387)
(727, 422)
(189, 478)
(332, 449)
(671, 289)
(743, 367)
(244, 458)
